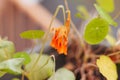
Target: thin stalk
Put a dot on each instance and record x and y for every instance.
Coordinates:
(116, 16)
(111, 54)
(66, 4)
(74, 27)
(33, 46)
(46, 35)
(78, 34)
(80, 39)
(63, 10)
(91, 65)
(115, 53)
(23, 75)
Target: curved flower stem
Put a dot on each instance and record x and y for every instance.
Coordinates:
(63, 10)
(74, 27)
(46, 35)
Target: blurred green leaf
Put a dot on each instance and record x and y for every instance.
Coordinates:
(12, 66)
(96, 30)
(83, 11)
(23, 55)
(107, 5)
(7, 49)
(105, 15)
(111, 40)
(107, 67)
(78, 15)
(2, 73)
(63, 74)
(32, 34)
(39, 72)
(15, 79)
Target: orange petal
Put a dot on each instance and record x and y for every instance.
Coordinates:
(60, 39)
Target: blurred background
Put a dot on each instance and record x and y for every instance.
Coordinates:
(17, 16)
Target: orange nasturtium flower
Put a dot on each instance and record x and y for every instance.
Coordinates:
(60, 38)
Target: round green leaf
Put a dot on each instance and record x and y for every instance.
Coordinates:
(96, 30)
(109, 7)
(63, 74)
(32, 34)
(105, 15)
(7, 49)
(23, 55)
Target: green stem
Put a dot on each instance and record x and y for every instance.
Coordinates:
(33, 46)
(46, 35)
(78, 34)
(63, 10)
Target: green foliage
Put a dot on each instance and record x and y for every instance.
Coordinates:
(82, 12)
(12, 66)
(107, 67)
(7, 49)
(96, 30)
(32, 34)
(63, 74)
(78, 15)
(23, 55)
(105, 15)
(40, 72)
(2, 73)
(15, 79)
(107, 5)
(111, 40)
